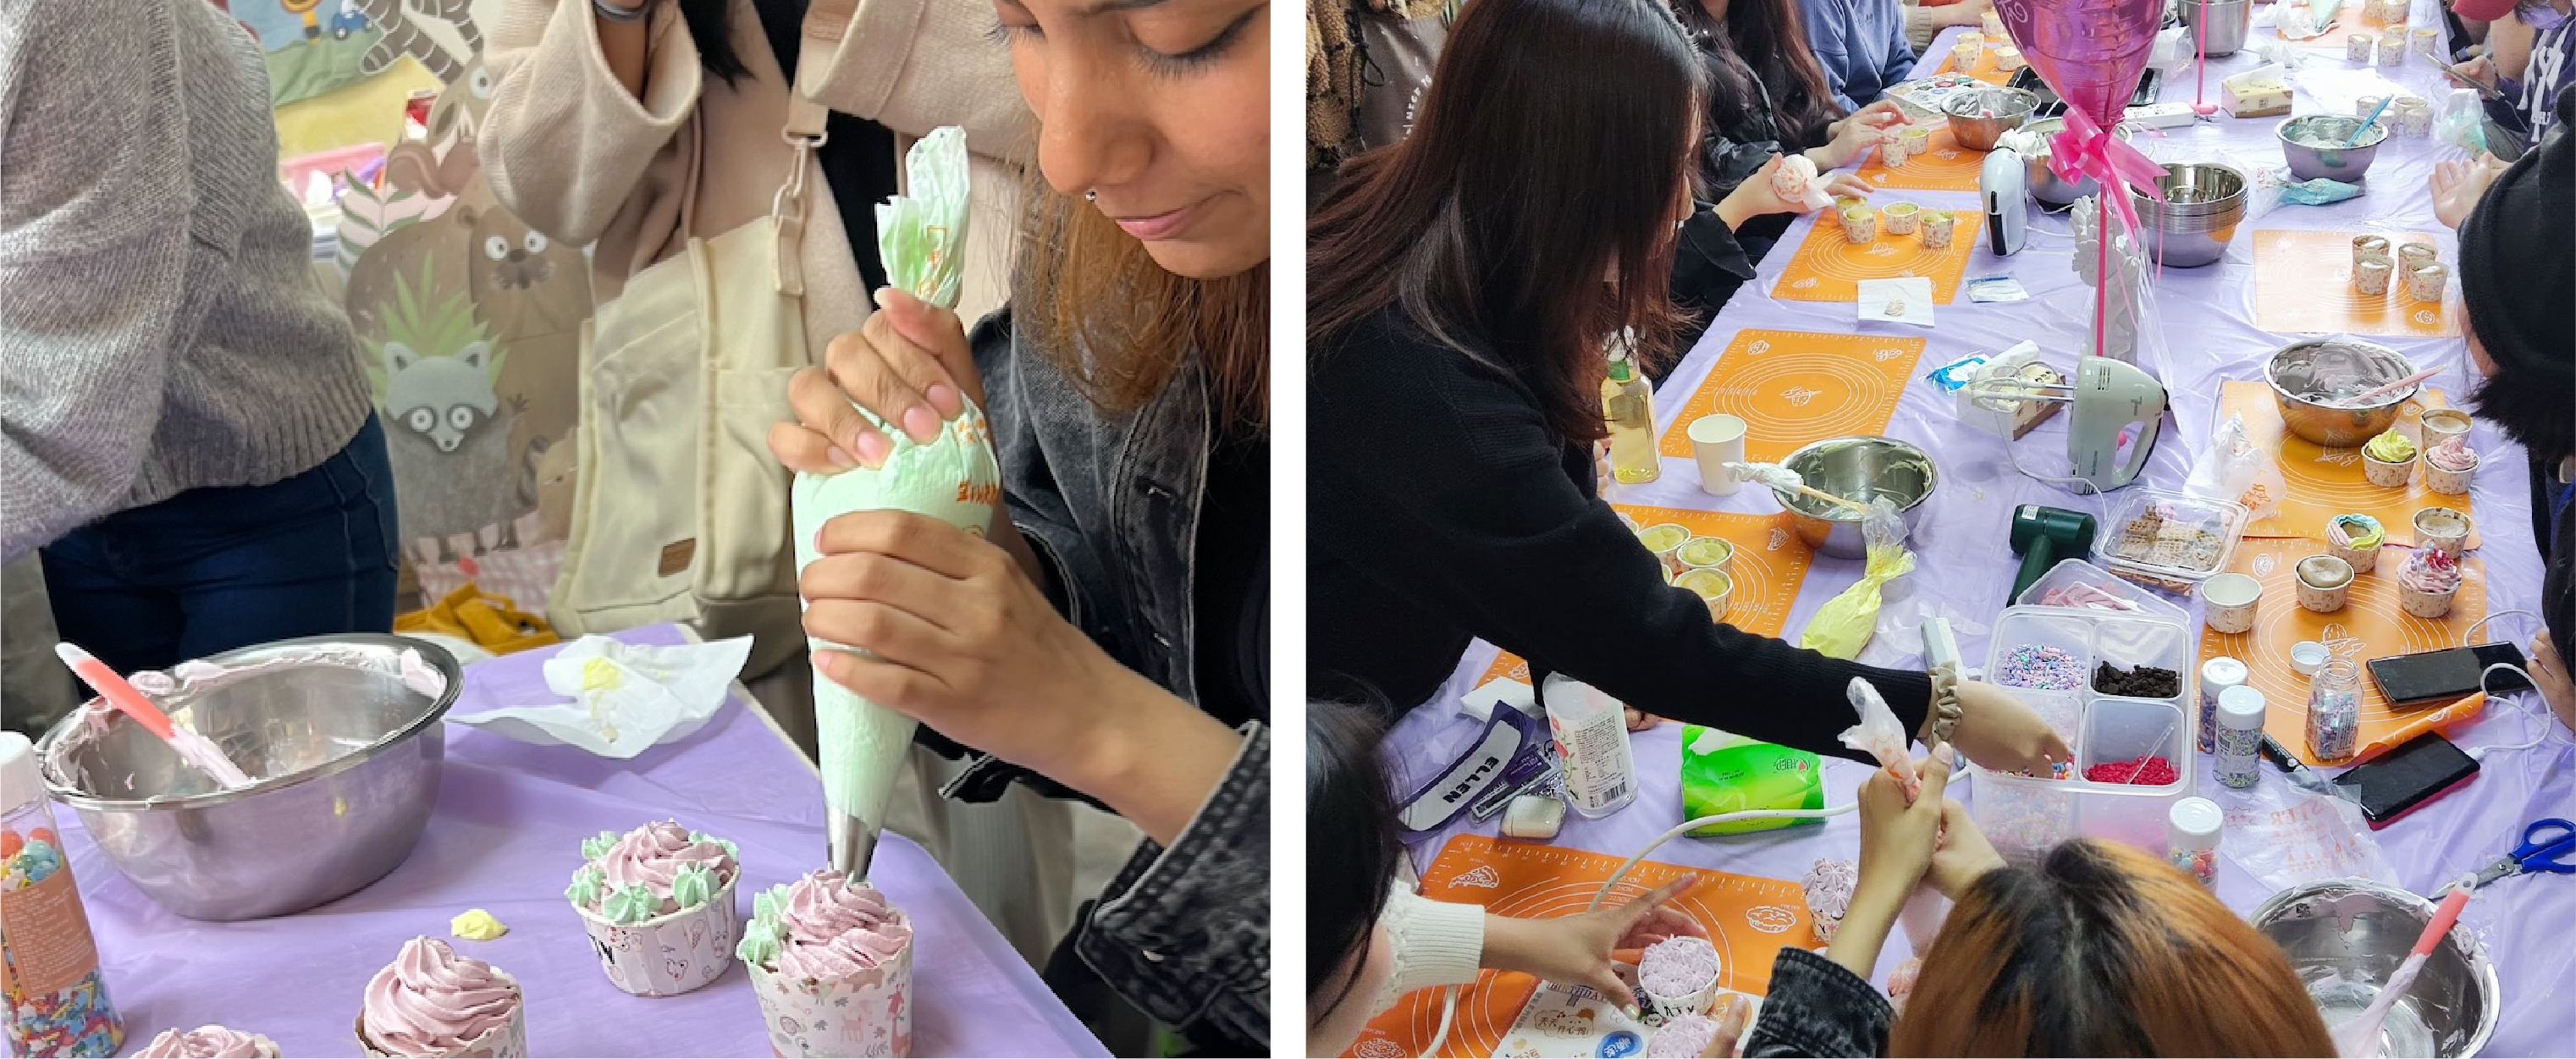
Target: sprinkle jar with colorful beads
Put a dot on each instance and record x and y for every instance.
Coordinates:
(49, 973)
(2334, 711)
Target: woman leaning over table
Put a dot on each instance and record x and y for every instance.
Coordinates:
(1460, 288)
(635, 125)
(2517, 269)
(1110, 634)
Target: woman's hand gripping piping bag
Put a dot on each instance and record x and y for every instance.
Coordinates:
(954, 477)
(1880, 735)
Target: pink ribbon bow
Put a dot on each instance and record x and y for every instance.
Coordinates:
(2086, 149)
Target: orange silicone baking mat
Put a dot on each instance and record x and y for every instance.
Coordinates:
(1770, 562)
(2328, 482)
(1946, 166)
(1985, 71)
(1799, 387)
(1750, 920)
(1829, 267)
(2370, 614)
(2303, 285)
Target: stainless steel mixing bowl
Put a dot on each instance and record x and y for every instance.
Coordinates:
(2198, 217)
(1979, 117)
(1862, 469)
(2346, 164)
(2357, 932)
(346, 760)
(2332, 426)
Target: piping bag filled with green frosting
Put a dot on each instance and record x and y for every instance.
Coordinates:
(954, 478)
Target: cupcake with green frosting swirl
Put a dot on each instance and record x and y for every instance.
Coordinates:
(659, 902)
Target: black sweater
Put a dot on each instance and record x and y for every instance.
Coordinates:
(1440, 508)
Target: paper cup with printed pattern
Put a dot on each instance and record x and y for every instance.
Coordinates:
(868, 1013)
(2443, 530)
(2391, 474)
(669, 954)
(2424, 604)
(2450, 483)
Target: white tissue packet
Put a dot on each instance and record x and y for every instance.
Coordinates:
(627, 698)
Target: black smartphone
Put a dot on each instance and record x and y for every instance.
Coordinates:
(2446, 675)
(2393, 784)
(2150, 85)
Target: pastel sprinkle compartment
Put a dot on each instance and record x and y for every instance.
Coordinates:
(2029, 813)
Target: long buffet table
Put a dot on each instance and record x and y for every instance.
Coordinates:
(2204, 335)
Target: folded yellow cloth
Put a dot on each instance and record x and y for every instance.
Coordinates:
(492, 623)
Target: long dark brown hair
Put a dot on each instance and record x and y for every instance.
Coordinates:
(1551, 159)
(2099, 949)
(1762, 48)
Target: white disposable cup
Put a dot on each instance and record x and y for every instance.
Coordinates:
(2231, 599)
(1718, 440)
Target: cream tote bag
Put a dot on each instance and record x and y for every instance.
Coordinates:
(680, 511)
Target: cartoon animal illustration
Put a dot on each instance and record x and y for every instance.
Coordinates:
(304, 9)
(458, 114)
(558, 476)
(439, 33)
(350, 20)
(448, 437)
(527, 294)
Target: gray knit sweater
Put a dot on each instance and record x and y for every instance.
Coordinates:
(161, 328)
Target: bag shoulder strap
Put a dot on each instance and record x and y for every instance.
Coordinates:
(826, 21)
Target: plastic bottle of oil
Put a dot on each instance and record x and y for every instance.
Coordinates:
(1629, 404)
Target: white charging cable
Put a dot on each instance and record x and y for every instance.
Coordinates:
(1449, 1007)
(2541, 714)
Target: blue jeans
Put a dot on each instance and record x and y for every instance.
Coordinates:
(210, 570)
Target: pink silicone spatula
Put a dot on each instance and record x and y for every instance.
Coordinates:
(192, 748)
(2359, 1038)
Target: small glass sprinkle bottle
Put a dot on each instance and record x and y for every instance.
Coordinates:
(2334, 711)
(49, 974)
(2240, 736)
(2191, 838)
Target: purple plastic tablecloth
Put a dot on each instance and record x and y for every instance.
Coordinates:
(2205, 320)
(505, 837)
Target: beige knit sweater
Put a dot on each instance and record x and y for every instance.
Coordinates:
(161, 328)
(577, 156)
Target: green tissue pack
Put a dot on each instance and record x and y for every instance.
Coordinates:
(1727, 773)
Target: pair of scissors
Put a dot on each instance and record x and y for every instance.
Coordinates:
(2546, 846)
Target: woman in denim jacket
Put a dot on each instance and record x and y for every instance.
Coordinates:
(1110, 635)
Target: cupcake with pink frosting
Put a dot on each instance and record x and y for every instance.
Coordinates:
(831, 960)
(209, 1042)
(2428, 583)
(2449, 466)
(1829, 888)
(431, 1003)
(659, 904)
(1679, 975)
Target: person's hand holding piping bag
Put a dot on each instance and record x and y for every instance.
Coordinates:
(955, 628)
(1901, 839)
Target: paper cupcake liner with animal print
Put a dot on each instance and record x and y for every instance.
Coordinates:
(864, 1014)
(669, 954)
